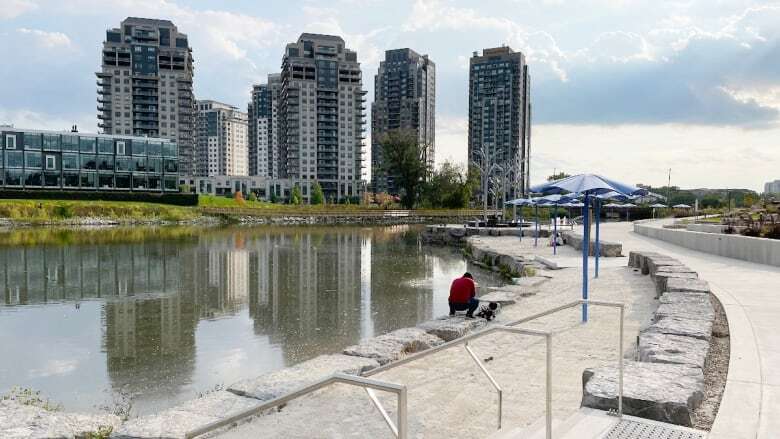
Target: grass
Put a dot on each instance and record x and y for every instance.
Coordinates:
(31, 397)
(46, 211)
(211, 201)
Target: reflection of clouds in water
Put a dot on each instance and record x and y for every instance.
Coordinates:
(229, 361)
(54, 368)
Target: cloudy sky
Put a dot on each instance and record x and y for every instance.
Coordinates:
(624, 88)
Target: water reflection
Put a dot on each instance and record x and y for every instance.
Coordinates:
(176, 316)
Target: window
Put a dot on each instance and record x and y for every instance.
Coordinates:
(51, 179)
(10, 141)
(32, 141)
(139, 148)
(122, 181)
(51, 162)
(170, 166)
(88, 180)
(51, 142)
(14, 177)
(105, 146)
(32, 160)
(14, 159)
(122, 164)
(88, 162)
(70, 143)
(139, 164)
(33, 178)
(70, 161)
(120, 147)
(139, 181)
(87, 144)
(106, 181)
(105, 163)
(70, 179)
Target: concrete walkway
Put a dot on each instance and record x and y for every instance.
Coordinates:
(750, 294)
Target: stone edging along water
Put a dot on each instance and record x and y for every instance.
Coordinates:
(666, 383)
(747, 248)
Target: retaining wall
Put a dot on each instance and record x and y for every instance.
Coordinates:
(758, 250)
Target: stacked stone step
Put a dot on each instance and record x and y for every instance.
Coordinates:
(607, 249)
(667, 383)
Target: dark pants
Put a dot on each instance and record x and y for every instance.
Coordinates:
(468, 307)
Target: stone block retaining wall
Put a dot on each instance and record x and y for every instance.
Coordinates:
(607, 249)
(667, 382)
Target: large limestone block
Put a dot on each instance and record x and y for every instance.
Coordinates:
(661, 279)
(686, 310)
(682, 325)
(678, 297)
(275, 384)
(177, 421)
(636, 258)
(662, 392)
(651, 263)
(500, 297)
(394, 345)
(449, 328)
(606, 248)
(655, 347)
(26, 421)
(687, 285)
(670, 269)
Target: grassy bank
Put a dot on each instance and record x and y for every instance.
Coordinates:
(55, 211)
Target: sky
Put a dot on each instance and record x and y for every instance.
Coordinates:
(627, 89)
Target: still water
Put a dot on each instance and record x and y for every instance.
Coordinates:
(159, 315)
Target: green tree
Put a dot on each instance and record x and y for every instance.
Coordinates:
(450, 187)
(295, 195)
(711, 201)
(317, 196)
(404, 159)
(558, 176)
(251, 196)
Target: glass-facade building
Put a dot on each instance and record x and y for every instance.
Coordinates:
(33, 159)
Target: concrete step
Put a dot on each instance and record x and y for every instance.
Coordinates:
(584, 424)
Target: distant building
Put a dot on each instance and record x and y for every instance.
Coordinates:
(263, 110)
(145, 84)
(321, 116)
(772, 187)
(500, 118)
(404, 98)
(222, 140)
(55, 160)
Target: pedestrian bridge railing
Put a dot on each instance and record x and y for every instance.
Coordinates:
(400, 427)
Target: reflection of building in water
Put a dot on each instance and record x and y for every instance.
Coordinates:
(305, 289)
(401, 297)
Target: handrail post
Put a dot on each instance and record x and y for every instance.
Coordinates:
(548, 388)
(620, 364)
(403, 423)
(490, 378)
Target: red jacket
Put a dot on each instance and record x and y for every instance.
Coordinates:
(462, 290)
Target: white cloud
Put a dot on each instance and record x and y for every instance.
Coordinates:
(54, 368)
(14, 8)
(49, 40)
(24, 118)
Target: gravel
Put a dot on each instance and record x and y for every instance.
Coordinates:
(716, 369)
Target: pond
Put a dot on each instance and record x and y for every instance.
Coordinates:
(158, 315)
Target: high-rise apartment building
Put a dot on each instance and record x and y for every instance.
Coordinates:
(500, 120)
(772, 187)
(321, 116)
(404, 98)
(222, 147)
(145, 84)
(264, 128)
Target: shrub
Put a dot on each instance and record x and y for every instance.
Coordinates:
(251, 197)
(63, 211)
(239, 197)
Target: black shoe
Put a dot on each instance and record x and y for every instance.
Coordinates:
(469, 316)
(452, 313)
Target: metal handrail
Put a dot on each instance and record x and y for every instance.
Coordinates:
(474, 335)
(618, 305)
(400, 430)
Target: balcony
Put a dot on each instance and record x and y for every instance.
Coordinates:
(105, 125)
(104, 116)
(104, 91)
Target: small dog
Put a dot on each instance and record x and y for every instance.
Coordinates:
(489, 311)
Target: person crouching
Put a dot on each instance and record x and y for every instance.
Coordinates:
(462, 295)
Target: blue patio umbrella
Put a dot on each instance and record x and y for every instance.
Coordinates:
(553, 200)
(521, 202)
(588, 185)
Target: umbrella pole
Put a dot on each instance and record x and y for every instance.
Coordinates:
(536, 227)
(585, 252)
(521, 224)
(597, 250)
(555, 230)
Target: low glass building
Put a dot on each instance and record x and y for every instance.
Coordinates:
(33, 159)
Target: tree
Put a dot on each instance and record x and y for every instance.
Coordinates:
(558, 176)
(239, 197)
(317, 196)
(404, 159)
(295, 195)
(251, 196)
(450, 187)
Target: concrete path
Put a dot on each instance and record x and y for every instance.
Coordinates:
(750, 294)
